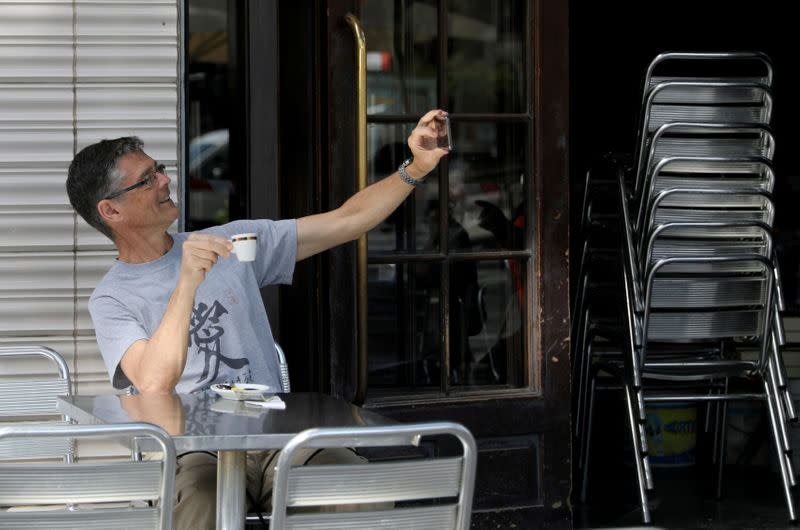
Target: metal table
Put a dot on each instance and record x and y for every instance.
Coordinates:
(205, 422)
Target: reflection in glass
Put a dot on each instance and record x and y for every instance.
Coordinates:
(402, 55)
(414, 226)
(486, 331)
(486, 61)
(213, 185)
(404, 334)
(487, 186)
(486, 301)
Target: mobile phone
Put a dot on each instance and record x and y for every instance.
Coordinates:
(445, 139)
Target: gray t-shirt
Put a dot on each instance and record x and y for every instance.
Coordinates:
(229, 336)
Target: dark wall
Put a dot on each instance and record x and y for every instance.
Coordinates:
(610, 47)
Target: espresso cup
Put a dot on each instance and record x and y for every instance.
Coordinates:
(244, 246)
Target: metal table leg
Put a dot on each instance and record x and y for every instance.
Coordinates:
(231, 490)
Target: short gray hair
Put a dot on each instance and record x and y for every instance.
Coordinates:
(92, 175)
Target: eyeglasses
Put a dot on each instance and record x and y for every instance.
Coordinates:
(147, 182)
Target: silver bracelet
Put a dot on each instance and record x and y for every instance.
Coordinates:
(404, 175)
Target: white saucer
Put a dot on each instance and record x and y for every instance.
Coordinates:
(241, 391)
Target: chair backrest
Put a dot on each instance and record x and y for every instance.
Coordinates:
(703, 174)
(742, 67)
(694, 208)
(699, 142)
(698, 240)
(683, 301)
(33, 398)
(284, 368)
(144, 488)
(427, 493)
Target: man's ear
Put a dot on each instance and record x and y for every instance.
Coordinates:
(108, 211)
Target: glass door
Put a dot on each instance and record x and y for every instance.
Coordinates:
(448, 273)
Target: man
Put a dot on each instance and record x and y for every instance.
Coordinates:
(176, 313)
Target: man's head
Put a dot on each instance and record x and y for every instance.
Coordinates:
(114, 181)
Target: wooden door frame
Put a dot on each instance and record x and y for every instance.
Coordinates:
(258, 23)
(551, 167)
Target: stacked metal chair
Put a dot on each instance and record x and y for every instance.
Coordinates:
(698, 270)
(682, 115)
(669, 94)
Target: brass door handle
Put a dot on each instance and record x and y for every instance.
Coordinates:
(361, 182)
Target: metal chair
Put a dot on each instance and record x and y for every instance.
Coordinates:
(33, 399)
(145, 488)
(718, 306)
(428, 493)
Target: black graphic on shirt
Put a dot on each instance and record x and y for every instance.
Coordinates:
(205, 332)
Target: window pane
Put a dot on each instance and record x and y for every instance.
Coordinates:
(414, 226)
(214, 184)
(403, 325)
(486, 186)
(486, 331)
(486, 63)
(402, 55)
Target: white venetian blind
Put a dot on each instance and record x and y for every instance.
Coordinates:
(73, 72)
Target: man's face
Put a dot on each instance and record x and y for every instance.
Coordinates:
(148, 204)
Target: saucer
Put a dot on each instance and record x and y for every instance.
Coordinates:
(241, 391)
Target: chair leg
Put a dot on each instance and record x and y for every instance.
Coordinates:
(637, 456)
(648, 473)
(587, 402)
(780, 415)
(580, 293)
(788, 402)
(586, 443)
(582, 368)
(773, 422)
(707, 420)
(781, 423)
(786, 394)
(641, 423)
(720, 440)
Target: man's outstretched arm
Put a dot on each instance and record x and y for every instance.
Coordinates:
(364, 210)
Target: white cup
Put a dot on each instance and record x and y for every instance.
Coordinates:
(244, 246)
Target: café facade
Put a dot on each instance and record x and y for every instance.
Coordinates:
(457, 307)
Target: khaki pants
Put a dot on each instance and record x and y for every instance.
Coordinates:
(196, 483)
